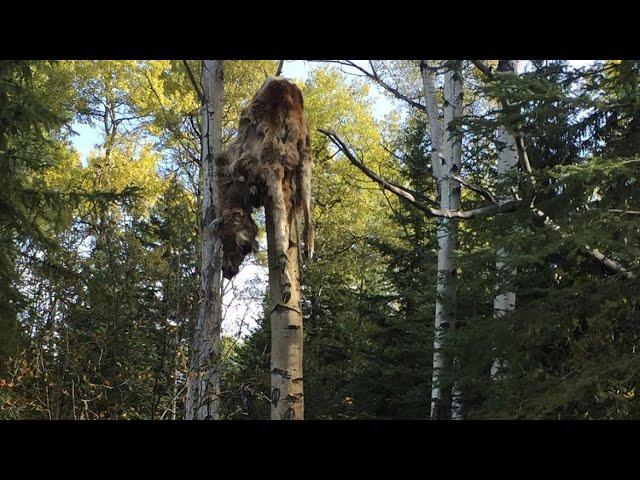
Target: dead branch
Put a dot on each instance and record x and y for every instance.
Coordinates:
(407, 196)
(607, 262)
(595, 254)
(373, 75)
(485, 193)
(194, 83)
(628, 212)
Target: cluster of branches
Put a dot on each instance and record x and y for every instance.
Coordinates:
(494, 206)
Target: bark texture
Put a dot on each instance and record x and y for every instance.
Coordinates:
(269, 164)
(287, 397)
(446, 163)
(505, 300)
(203, 382)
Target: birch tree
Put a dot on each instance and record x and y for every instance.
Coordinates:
(505, 300)
(203, 383)
(287, 397)
(446, 143)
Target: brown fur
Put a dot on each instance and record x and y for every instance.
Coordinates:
(269, 163)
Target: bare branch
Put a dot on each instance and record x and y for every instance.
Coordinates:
(280, 65)
(373, 68)
(194, 83)
(415, 194)
(485, 193)
(393, 210)
(607, 262)
(585, 250)
(373, 75)
(391, 152)
(629, 212)
(407, 196)
(524, 158)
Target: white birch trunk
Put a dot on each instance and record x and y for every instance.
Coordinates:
(505, 300)
(435, 126)
(446, 162)
(287, 396)
(203, 382)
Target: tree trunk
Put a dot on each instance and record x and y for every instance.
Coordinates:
(446, 163)
(505, 301)
(203, 383)
(287, 398)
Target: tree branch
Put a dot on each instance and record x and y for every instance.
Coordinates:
(373, 75)
(629, 212)
(280, 65)
(407, 196)
(607, 262)
(593, 253)
(524, 159)
(414, 193)
(484, 68)
(485, 193)
(194, 83)
(526, 166)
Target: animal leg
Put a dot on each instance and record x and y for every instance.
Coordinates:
(281, 231)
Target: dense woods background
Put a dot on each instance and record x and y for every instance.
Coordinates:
(99, 255)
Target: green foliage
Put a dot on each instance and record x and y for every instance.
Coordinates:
(99, 256)
(569, 347)
(26, 151)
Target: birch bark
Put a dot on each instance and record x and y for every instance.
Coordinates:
(287, 398)
(203, 382)
(446, 163)
(505, 300)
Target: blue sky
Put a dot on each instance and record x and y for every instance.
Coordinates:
(86, 139)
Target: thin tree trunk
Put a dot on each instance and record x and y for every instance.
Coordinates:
(174, 393)
(203, 382)
(505, 300)
(446, 162)
(287, 398)
(435, 125)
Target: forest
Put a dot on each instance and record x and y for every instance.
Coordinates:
(476, 242)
